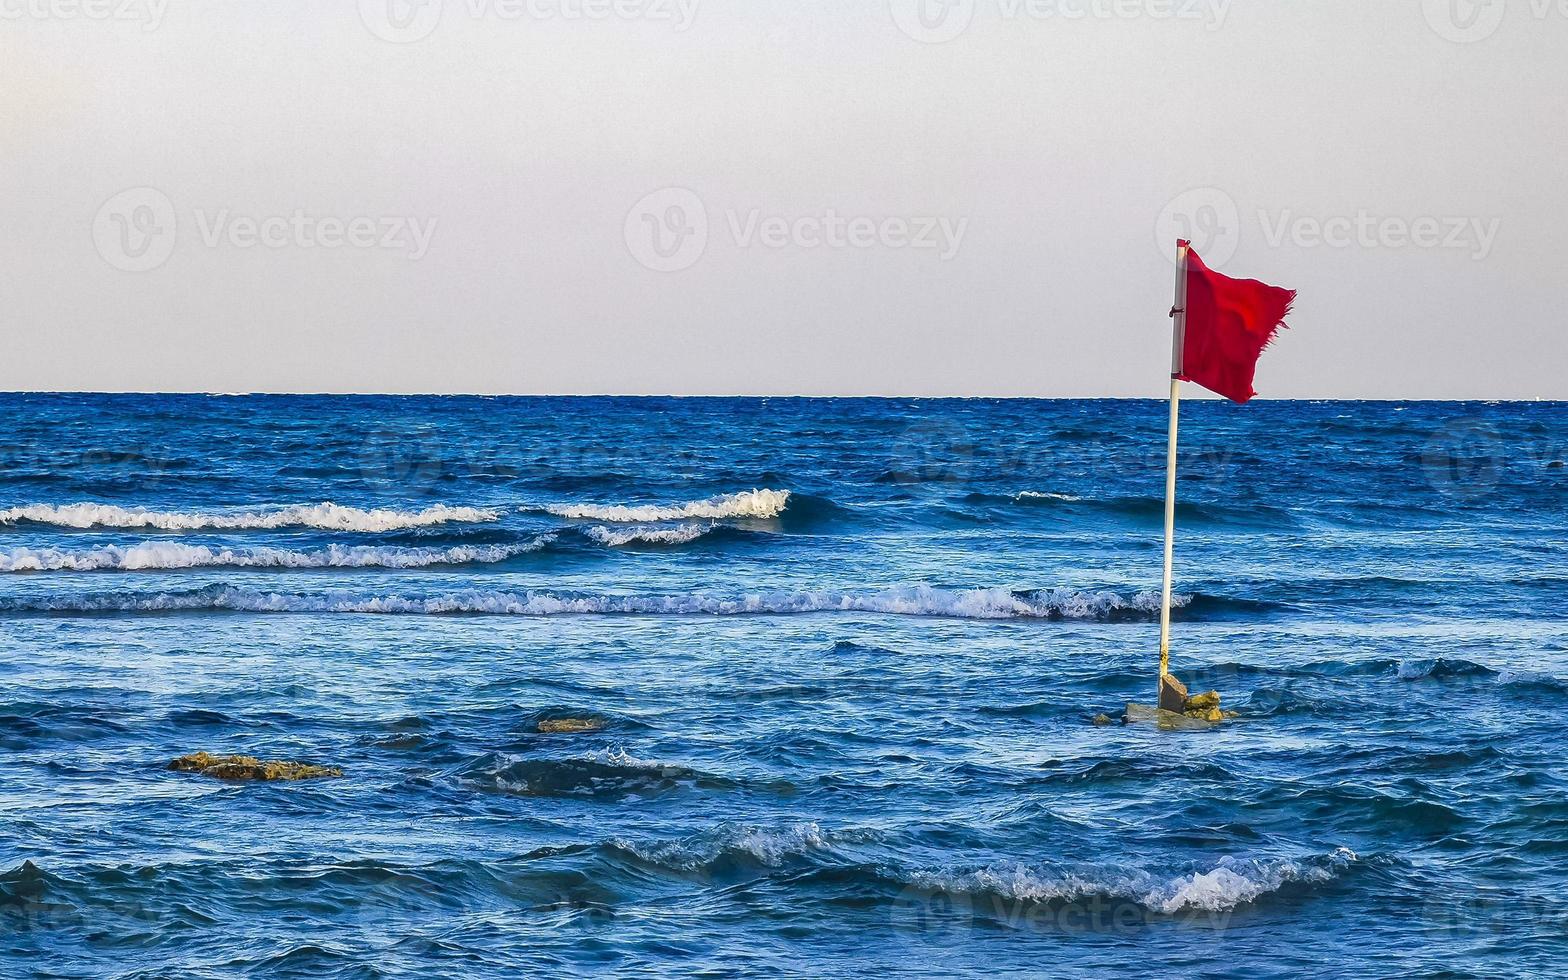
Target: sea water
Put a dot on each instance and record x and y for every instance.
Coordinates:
(841, 659)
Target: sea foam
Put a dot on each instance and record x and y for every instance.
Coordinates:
(748, 503)
(903, 601)
(326, 516)
(152, 555)
(618, 537)
(1230, 883)
(769, 846)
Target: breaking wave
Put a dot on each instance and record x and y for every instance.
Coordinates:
(607, 773)
(1050, 604)
(325, 516)
(1441, 669)
(153, 555)
(707, 851)
(748, 503)
(1232, 882)
(619, 537)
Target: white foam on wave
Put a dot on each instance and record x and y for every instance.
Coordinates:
(153, 555)
(1044, 495)
(769, 846)
(1530, 678)
(1232, 882)
(1414, 670)
(749, 503)
(326, 516)
(619, 537)
(904, 601)
(616, 755)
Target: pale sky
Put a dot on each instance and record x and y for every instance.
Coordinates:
(821, 197)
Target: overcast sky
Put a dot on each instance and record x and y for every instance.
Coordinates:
(924, 197)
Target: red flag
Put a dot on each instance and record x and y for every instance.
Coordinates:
(1228, 324)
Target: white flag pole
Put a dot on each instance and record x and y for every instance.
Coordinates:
(1178, 339)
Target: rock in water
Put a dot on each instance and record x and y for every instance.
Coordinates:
(1173, 694)
(1206, 707)
(1198, 712)
(1166, 720)
(1203, 702)
(245, 767)
(569, 726)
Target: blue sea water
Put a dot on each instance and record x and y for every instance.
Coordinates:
(845, 657)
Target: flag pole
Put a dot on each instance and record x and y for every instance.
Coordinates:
(1178, 338)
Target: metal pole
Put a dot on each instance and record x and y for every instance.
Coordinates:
(1178, 344)
(1170, 533)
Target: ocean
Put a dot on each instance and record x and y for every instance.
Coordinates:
(838, 661)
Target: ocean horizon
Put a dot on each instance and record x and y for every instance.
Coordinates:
(769, 685)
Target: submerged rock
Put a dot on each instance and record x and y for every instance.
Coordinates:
(247, 767)
(569, 726)
(1199, 711)
(1168, 720)
(1102, 720)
